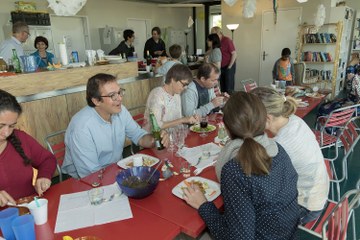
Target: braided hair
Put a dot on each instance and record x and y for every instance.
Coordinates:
(9, 103)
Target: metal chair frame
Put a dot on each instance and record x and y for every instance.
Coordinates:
(248, 84)
(58, 149)
(333, 224)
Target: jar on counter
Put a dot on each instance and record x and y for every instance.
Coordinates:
(3, 65)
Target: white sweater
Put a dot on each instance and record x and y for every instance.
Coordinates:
(300, 143)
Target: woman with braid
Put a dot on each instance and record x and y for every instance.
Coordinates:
(19, 154)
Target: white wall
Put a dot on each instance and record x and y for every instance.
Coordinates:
(247, 37)
(113, 13)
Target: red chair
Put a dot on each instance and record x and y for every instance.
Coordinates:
(56, 145)
(335, 120)
(333, 224)
(248, 84)
(348, 137)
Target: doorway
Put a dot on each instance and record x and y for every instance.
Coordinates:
(142, 29)
(275, 37)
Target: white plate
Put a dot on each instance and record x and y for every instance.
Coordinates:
(196, 128)
(211, 193)
(113, 57)
(147, 159)
(314, 95)
(303, 104)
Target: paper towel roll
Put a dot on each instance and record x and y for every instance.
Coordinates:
(63, 54)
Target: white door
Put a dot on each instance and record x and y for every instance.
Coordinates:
(275, 37)
(75, 29)
(142, 30)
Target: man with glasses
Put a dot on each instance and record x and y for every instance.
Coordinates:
(95, 137)
(199, 98)
(20, 33)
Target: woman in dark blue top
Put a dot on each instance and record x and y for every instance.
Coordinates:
(258, 181)
(43, 57)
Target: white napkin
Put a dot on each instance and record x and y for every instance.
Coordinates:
(192, 155)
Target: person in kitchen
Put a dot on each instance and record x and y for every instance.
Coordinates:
(155, 45)
(20, 153)
(95, 137)
(126, 46)
(20, 33)
(43, 57)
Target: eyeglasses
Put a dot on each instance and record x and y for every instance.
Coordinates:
(184, 84)
(27, 33)
(115, 96)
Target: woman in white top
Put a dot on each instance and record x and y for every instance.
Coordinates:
(214, 53)
(165, 101)
(300, 143)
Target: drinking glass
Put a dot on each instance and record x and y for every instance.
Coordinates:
(179, 140)
(203, 125)
(171, 132)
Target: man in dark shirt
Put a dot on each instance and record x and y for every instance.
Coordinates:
(126, 46)
(155, 45)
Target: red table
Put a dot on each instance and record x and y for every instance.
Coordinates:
(313, 102)
(162, 202)
(143, 225)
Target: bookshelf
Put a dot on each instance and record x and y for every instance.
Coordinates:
(319, 49)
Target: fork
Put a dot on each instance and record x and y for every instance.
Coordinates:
(199, 170)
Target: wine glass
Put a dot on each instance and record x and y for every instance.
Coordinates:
(203, 125)
(180, 140)
(171, 133)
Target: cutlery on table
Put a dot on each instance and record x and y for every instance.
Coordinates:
(199, 170)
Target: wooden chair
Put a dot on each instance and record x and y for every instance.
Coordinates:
(333, 223)
(248, 84)
(56, 145)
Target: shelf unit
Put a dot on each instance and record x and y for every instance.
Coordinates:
(320, 55)
(355, 45)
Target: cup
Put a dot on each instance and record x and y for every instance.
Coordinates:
(6, 217)
(205, 152)
(185, 169)
(277, 83)
(148, 68)
(137, 161)
(96, 196)
(39, 210)
(282, 84)
(24, 227)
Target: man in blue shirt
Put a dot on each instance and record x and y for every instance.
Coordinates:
(96, 134)
(20, 33)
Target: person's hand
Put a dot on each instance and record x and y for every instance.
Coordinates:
(218, 101)
(41, 185)
(5, 198)
(192, 119)
(165, 139)
(193, 196)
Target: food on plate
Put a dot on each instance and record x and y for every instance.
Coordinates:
(202, 185)
(148, 162)
(197, 128)
(314, 95)
(135, 182)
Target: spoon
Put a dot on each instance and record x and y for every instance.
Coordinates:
(152, 174)
(18, 205)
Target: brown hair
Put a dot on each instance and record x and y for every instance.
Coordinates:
(175, 51)
(245, 118)
(275, 103)
(177, 73)
(93, 86)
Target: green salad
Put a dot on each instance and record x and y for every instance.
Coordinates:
(209, 128)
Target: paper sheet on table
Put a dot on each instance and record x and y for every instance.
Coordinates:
(75, 210)
(192, 155)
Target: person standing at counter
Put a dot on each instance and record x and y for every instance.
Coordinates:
(126, 46)
(199, 98)
(95, 137)
(228, 61)
(155, 45)
(214, 56)
(19, 154)
(44, 57)
(20, 33)
(165, 101)
(257, 179)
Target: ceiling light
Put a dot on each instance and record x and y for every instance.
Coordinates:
(302, 1)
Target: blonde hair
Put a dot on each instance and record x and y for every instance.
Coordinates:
(275, 103)
(216, 30)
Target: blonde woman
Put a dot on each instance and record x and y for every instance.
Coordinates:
(300, 143)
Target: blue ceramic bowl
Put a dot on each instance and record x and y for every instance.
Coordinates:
(143, 174)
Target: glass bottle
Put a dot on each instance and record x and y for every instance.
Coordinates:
(3, 65)
(16, 62)
(148, 58)
(221, 131)
(156, 131)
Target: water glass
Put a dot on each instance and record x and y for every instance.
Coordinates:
(171, 132)
(96, 196)
(185, 169)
